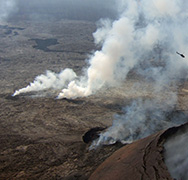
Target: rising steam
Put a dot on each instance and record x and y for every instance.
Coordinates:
(50, 80)
(148, 33)
(176, 156)
(144, 40)
(6, 7)
(145, 37)
(142, 118)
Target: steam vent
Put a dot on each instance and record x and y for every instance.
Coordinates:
(143, 159)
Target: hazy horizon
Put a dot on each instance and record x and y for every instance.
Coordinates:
(59, 9)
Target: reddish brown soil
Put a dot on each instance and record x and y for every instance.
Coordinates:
(143, 159)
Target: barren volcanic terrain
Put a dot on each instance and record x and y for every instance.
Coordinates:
(40, 136)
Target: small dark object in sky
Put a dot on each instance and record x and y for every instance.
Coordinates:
(182, 55)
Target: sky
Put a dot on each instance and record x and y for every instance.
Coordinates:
(91, 10)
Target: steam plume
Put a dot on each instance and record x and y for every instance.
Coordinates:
(176, 154)
(147, 33)
(144, 38)
(49, 80)
(6, 7)
(140, 119)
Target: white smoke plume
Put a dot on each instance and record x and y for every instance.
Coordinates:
(147, 33)
(150, 39)
(142, 118)
(50, 80)
(176, 156)
(146, 39)
(6, 7)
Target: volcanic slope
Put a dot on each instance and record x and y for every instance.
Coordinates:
(143, 159)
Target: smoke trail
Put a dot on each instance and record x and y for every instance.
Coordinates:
(6, 7)
(147, 33)
(49, 80)
(146, 38)
(155, 29)
(176, 154)
(142, 118)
